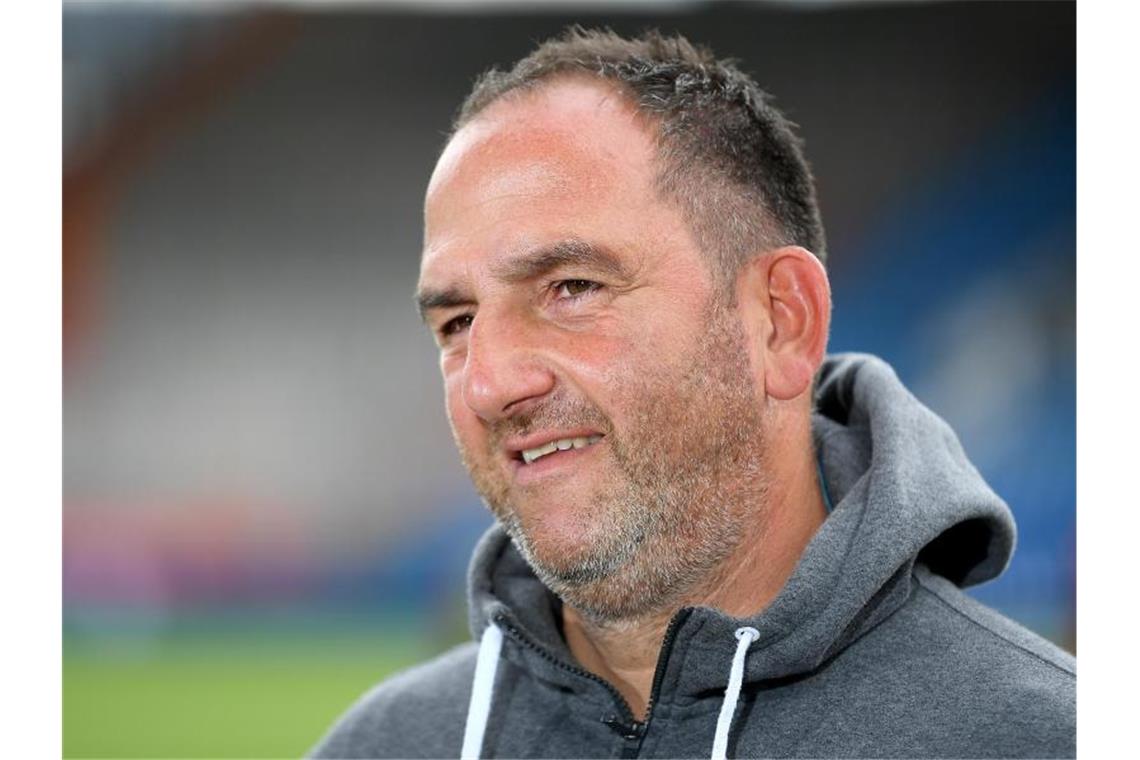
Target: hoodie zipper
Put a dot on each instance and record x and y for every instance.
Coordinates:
(631, 729)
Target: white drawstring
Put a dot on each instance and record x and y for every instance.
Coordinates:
(481, 688)
(744, 637)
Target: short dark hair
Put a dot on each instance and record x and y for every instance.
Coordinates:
(728, 157)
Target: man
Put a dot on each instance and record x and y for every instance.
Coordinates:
(710, 538)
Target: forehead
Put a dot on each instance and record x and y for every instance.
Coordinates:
(568, 159)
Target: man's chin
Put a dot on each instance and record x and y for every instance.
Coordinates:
(609, 582)
(563, 561)
(605, 597)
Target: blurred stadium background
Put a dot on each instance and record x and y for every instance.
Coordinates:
(264, 513)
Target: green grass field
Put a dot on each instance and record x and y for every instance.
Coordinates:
(215, 695)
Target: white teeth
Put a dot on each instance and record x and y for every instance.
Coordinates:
(532, 454)
(562, 444)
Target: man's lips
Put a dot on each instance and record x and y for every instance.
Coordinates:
(558, 463)
(531, 449)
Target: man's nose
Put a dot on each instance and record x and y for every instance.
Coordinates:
(503, 373)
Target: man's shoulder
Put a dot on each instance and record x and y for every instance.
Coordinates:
(989, 635)
(977, 680)
(418, 712)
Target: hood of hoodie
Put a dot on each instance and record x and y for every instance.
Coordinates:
(902, 492)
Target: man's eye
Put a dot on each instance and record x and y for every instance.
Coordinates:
(574, 288)
(455, 325)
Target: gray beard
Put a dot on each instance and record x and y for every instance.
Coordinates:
(694, 478)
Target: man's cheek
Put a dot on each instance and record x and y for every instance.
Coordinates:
(459, 416)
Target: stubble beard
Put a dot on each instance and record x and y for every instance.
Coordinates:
(691, 476)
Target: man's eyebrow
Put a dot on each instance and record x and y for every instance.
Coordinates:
(428, 299)
(528, 266)
(572, 252)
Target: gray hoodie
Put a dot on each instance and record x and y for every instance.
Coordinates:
(870, 650)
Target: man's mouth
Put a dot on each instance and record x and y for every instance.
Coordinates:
(561, 444)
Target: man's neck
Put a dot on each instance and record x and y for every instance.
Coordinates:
(625, 652)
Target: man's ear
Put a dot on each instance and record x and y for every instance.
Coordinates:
(791, 287)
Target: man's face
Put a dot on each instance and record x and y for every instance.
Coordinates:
(599, 386)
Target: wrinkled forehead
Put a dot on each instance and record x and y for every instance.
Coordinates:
(565, 150)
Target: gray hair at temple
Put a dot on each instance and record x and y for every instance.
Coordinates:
(727, 156)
